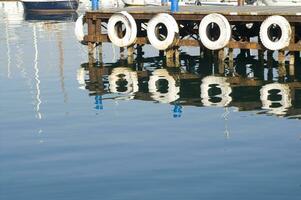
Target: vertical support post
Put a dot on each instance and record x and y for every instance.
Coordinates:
(221, 64)
(231, 60)
(130, 51)
(260, 70)
(91, 39)
(292, 64)
(139, 57)
(169, 57)
(292, 54)
(281, 64)
(91, 53)
(270, 65)
(98, 34)
(177, 57)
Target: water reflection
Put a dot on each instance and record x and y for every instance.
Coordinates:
(163, 87)
(195, 84)
(24, 36)
(124, 81)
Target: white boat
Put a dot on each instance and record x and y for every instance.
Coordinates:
(280, 2)
(50, 5)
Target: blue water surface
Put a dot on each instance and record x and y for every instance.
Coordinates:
(59, 142)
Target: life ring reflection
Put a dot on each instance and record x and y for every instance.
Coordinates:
(123, 80)
(163, 87)
(275, 98)
(215, 91)
(80, 76)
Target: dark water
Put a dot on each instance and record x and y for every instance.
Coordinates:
(74, 130)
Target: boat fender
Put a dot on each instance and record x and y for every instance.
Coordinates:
(79, 29)
(224, 95)
(130, 29)
(172, 31)
(129, 77)
(267, 103)
(265, 32)
(225, 31)
(173, 90)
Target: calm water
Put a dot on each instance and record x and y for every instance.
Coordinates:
(70, 130)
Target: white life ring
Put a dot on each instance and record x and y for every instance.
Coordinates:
(224, 95)
(224, 27)
(285, 102)
(172, 31)
(130, 29)
(126, 74)
(265, 29)
(79, 29)
(173, 90)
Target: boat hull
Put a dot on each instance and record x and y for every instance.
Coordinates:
(50, 5)
(40, 16)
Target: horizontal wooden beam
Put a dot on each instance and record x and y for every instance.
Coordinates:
(195, 43)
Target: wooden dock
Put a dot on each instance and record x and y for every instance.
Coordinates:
(188, 19)
(196, 13)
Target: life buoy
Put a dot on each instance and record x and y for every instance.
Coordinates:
(279, 106)
(126, 76)
(222, 97)
(79, 29)
(222, 37)
(171, 92)
(130, 25)
(172, 31)
(266, 30)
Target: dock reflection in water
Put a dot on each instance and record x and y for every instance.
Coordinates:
(250, 87)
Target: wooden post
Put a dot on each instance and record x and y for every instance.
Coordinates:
(292, 54)
(177, 57)
(169, 57)
(260, 67)
(130, 57)
(98, 32)
(281, 64)
(270, 65)
(292, 64)
(91, 34)
(91, 53)
(221, 61)
(139, 57)
(231, 61)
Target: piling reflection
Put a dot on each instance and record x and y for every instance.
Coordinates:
(198, 82)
